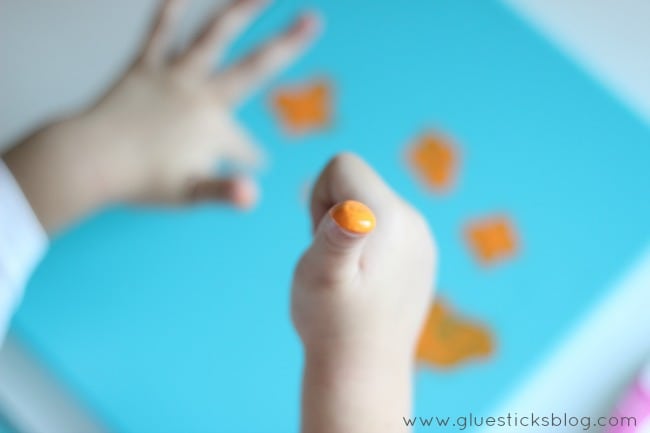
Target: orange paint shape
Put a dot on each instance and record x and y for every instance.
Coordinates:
(447, 340)
(354, 217)
(303, 108)
(435, 161)
(492, 239)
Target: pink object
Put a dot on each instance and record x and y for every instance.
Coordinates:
(636, 403)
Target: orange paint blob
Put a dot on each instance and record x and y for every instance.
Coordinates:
(492, 239)
(303, 108)
(447, 341)
(354, 217)
(435, 161)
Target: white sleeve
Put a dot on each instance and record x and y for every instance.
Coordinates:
(22, 244)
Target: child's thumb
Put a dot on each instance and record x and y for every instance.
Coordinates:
(339, 240)
(240, 191)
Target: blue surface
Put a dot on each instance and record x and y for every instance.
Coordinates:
(178, 321)
(5, 427)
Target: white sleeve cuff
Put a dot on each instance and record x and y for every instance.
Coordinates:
(23, 242)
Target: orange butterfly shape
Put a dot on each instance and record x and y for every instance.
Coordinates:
(304, 108)
(492, 239)
(447, 340)
(435, 160)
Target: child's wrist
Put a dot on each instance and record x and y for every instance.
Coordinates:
(92, 147)
(347, 361)
(364, 391)
(113, 153)
(65, 170)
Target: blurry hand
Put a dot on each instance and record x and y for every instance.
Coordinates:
(160, 131)
(174, 113)
(358, 304)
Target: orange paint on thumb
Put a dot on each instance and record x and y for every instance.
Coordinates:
(354, 217)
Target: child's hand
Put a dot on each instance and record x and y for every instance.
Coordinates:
(174, 112)
(369, 292)
(159, 132)
(359, 302)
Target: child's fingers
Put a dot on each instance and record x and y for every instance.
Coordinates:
(215, 37)
(155, 47)
(338, 242)
(348, 177)
(249, 73)
(240, 191)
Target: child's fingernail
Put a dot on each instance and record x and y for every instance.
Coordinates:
(353, 216)
(244, 193)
